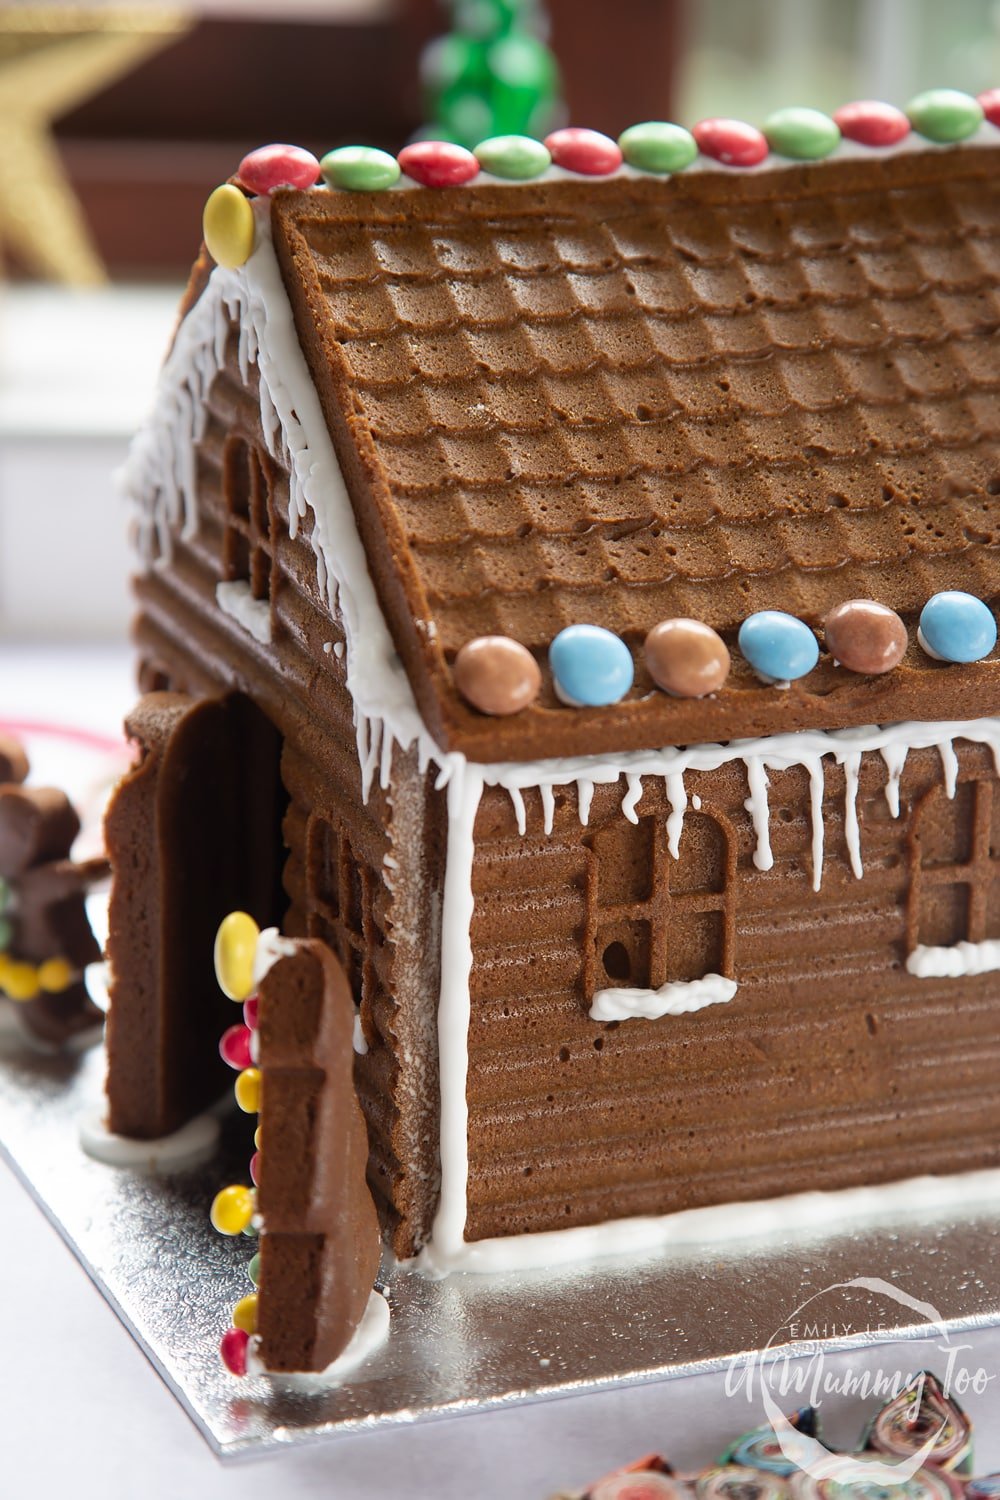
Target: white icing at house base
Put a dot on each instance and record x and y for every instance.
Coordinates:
(956, 962)
(370, 1334)
(193, 1143)
(673, 999)
(236, 600)
(727, 1224)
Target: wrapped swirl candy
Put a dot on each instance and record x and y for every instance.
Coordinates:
(761, 1450)
(912, 1418)
(730, 1482)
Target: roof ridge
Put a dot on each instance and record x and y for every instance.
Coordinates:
(942, 117)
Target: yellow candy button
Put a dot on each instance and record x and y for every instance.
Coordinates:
(55, 975)
(228, 226)
(256, 1137)
(235, 950)
(245, 1313)
(247, 1090)
(232, 1209)
(20, 981)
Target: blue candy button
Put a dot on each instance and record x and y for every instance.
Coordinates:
(590, 666)
(957, 627)
(779, 647)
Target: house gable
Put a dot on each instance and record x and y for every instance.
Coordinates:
(623, 400)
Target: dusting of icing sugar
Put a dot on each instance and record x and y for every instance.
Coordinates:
(957, 962)
(679, 998)
(159, 479)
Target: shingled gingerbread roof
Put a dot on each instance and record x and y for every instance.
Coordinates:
(615, 401)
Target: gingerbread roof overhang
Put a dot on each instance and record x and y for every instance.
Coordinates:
(616, 401)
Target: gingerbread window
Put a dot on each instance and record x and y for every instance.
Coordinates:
(658, 919)
(339, 902)
(248, 540)
(955, 868)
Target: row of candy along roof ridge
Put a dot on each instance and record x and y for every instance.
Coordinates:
(656, 147)
(592, 667)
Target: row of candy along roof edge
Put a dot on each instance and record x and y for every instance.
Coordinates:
(943, 117)
(593, 667)
(940, 116)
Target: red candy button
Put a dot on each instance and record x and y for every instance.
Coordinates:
(871, 123)
(991, 105)
(233, 1348)
(585, 151)
(271, 167)
(254, 1167)
(438, 164)
(234, 1048)
(733, 142)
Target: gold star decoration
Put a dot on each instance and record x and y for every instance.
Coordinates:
(52, 58)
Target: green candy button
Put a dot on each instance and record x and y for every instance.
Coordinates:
(657, 146)
(803, 134)
(945, 115)
(514, 156)
(364, 169)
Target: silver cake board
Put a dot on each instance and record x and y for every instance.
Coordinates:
(466, 1343)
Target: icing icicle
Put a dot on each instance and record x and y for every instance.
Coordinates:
(160, 481)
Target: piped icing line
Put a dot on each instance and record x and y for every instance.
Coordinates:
(724, 1225)
(959, 961)
(680, 998)
(159, 480)
(465, 791)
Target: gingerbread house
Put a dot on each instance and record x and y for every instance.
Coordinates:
(613, 959)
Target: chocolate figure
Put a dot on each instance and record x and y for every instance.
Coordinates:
(45, 936)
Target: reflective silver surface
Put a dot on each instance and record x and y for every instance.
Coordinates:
(467, 1343)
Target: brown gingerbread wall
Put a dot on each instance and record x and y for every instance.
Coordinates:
(831, 1066)
(187, 643)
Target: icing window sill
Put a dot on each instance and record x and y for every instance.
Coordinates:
(956, 962)
(680, 998)
(236, 600)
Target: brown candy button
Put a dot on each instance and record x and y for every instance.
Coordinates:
(686, 658)
(865, 637)
(497, 675)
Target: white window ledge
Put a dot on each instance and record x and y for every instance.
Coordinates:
(236, 600)
(676, 999)
(956, 962)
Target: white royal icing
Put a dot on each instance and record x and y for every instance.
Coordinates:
(195, 1142)
(679, 998)
(236, 600)
(956, 962)
(159, 478)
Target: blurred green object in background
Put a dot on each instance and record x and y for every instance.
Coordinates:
(492, 74)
